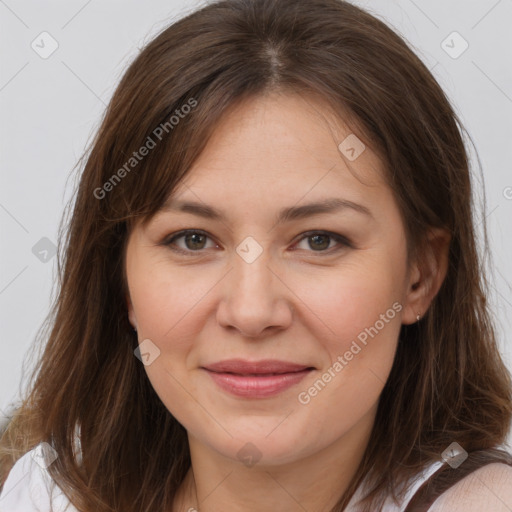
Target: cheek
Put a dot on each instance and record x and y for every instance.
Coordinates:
(360, 306)
(365, 319)
(357, 303)
(166, 303)
(165, 299)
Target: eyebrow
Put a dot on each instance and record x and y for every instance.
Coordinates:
(330, 205)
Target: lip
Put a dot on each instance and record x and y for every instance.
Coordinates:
(256, 379)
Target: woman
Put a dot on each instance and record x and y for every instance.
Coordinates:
(271, 296)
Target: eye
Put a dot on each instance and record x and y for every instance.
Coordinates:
(194, 240)
(320, 241)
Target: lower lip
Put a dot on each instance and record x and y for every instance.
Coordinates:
(251, 386)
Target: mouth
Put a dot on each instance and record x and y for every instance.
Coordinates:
(256, 379)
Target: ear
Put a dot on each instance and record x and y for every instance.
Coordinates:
(131, 312)
(426, 275)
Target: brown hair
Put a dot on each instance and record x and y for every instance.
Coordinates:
(448, 382)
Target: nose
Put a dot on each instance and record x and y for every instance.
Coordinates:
(255, 299)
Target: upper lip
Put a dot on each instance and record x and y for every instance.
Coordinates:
(267, 366)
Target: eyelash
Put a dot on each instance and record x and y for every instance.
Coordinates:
(169, 241)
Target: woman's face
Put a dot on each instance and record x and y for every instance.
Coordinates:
(320, 292)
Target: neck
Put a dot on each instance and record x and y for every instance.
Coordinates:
(314, 483)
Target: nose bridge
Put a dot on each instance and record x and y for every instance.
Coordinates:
(253, 299)
(252, 277)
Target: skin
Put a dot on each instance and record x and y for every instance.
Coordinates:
(488, 488)
(302, 300)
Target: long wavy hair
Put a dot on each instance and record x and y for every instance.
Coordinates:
(448, 382)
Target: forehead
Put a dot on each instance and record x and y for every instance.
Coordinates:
(277, 141)
(272, 154)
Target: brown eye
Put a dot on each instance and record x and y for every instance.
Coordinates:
(323, 242)
(193, 241)
(319, 242)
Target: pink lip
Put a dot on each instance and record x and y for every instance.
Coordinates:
(258, 379)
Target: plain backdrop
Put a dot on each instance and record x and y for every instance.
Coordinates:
(61, 60)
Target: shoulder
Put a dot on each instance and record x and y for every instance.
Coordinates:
(389, 504)
(488, 488)
(29, 487)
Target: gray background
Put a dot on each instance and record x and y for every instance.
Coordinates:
(50, 107)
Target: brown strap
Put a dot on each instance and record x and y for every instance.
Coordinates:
(446, 476)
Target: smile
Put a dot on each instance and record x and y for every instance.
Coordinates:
(262, 379)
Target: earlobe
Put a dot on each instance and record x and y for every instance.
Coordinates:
(427, 275)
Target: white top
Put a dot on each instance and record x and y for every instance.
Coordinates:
(389, 505)
(29, 487)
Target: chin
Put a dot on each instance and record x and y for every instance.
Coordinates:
(263, 446)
